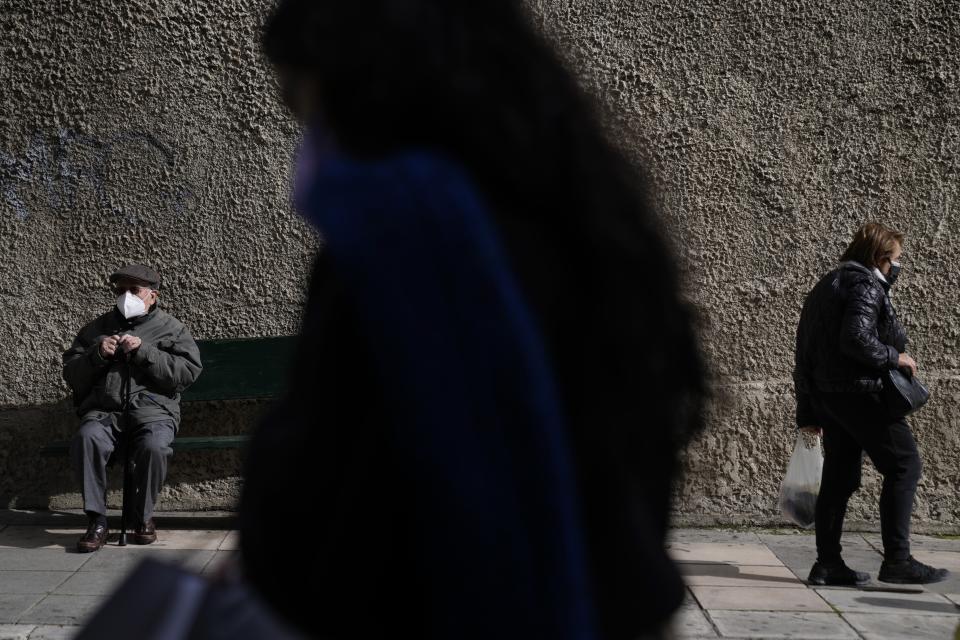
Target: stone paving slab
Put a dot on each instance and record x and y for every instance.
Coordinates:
(123, 559)
(730, 553)
(15, 631)
(800, 559)
(219, 561)
(58, 609)
(691, 621)
(713, 536)
(12, 606)
(917, 542)
(173, 539)
(231, 542)
(25, 582)
(854, 601)
(37, 632)
(950, 585)
(946, 559)
(731, 575)
(90, 583)
(888, 626)
(782, 624)
(807, 540)
(41, 560)
(759, 599)
(54, 632)
(24, 537)
(797, 559)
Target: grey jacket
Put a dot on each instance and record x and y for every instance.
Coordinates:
(166, 363)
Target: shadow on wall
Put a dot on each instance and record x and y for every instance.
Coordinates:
(197, 480)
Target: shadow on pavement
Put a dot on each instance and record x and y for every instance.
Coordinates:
(725, 570)
(908, 605)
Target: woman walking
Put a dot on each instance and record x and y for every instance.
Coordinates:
(848, 337)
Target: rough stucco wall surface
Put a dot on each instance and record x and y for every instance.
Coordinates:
(774, 129)
(137, 131)
(148, 130)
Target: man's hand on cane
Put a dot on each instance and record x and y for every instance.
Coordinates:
(129, 343)
(108, 346)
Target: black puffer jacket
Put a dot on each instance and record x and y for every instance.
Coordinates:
(848, 336)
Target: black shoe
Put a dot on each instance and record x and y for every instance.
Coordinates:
(146, 533)
(95, 537)
(910, 571)
(838, 574)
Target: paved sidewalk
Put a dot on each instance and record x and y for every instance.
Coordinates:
(741, 584)
(47, 589)
(750, 584)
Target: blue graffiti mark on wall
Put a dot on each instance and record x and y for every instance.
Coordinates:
(63, 162)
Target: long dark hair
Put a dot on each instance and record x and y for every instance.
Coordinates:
(473, 80)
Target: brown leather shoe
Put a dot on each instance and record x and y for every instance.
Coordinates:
(146, 533)
(93, 539)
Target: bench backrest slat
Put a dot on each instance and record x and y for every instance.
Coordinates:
(242, 368)
(232, 369)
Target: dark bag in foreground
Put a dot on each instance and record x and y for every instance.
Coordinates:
(903, 394)
(160, 601)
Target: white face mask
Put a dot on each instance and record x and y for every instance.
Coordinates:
(131, 306)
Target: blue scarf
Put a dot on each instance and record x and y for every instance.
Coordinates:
(476, 420)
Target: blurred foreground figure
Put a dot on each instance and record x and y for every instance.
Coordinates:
(496, 372)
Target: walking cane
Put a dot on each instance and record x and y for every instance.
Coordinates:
(124, 443)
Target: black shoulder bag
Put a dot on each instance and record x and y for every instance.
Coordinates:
(903, 394)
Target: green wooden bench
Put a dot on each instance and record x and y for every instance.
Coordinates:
(236, 369)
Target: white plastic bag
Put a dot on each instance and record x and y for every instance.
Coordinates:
(801, 485)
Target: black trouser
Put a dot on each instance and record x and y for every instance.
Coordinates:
(854, 423)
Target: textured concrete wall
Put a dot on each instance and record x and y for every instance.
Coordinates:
(148, 131)
(774, 129)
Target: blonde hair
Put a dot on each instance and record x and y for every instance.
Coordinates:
(872, 244)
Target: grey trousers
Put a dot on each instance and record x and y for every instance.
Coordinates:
(150, 451)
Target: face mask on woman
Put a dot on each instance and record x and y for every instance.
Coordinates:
(894, 272)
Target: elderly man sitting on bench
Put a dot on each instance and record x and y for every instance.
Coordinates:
(127, 369)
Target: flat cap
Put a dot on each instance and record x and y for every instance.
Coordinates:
(137, 272)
